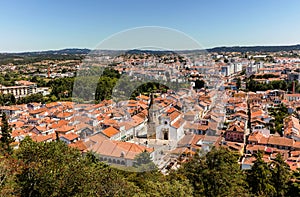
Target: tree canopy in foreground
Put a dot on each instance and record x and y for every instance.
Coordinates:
(54, 169)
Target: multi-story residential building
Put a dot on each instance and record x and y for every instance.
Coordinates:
(292, 97)
(235, 132)
(251, 69)
(22, 89)
(227, 70)
(238, 67)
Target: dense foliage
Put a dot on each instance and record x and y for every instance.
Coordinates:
(54, 169)
(92, 85)
(215, 174)
(279, 113)
(266, 76)
(254, 86)
(7, 99)
(33, 57)
(6, 139)
(199, 84)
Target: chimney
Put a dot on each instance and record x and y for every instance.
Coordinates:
(293, 87)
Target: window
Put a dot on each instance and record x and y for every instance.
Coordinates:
(166, 136)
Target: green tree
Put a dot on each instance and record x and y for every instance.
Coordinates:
(174, 188)
(111, 73)
(53, 98)
(199, 84)
(260, 178)
(280, 175)
(105, 87)
(6, 138)
(8, 170)
(61, 86)
(223, 174)
(12, 99)
(279, 113)
(54, 169)
(7, 99)
(50, 169)
(216, 174)
(193, 170)
(101, 180)
(243, 71)
(294, 184)
(142, 162)
(238, 83)
(254, 86)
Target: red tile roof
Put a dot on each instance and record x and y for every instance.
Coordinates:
(78, 145)
(110, 131)
(119, 149)
(64, 129)
(70, 136)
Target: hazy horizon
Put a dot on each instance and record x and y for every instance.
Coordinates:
(70, 48)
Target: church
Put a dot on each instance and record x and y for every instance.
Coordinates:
(165, 123)
(171, 126)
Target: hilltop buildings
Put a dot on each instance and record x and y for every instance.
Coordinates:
(174, 124)
(22, 89)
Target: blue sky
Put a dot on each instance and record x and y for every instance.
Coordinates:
(33, 25)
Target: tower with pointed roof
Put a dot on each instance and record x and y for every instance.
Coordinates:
(152, 118)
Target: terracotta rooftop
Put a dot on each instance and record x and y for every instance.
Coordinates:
(64, 129)
(118, 149)
(280, 141)
(78, 145)
(110, 131)
(70, 136)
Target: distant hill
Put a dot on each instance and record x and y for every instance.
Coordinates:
(255, 48)
(226, 49)
(55, 52)
(76, 51)
(155, 52)
(32, 57)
